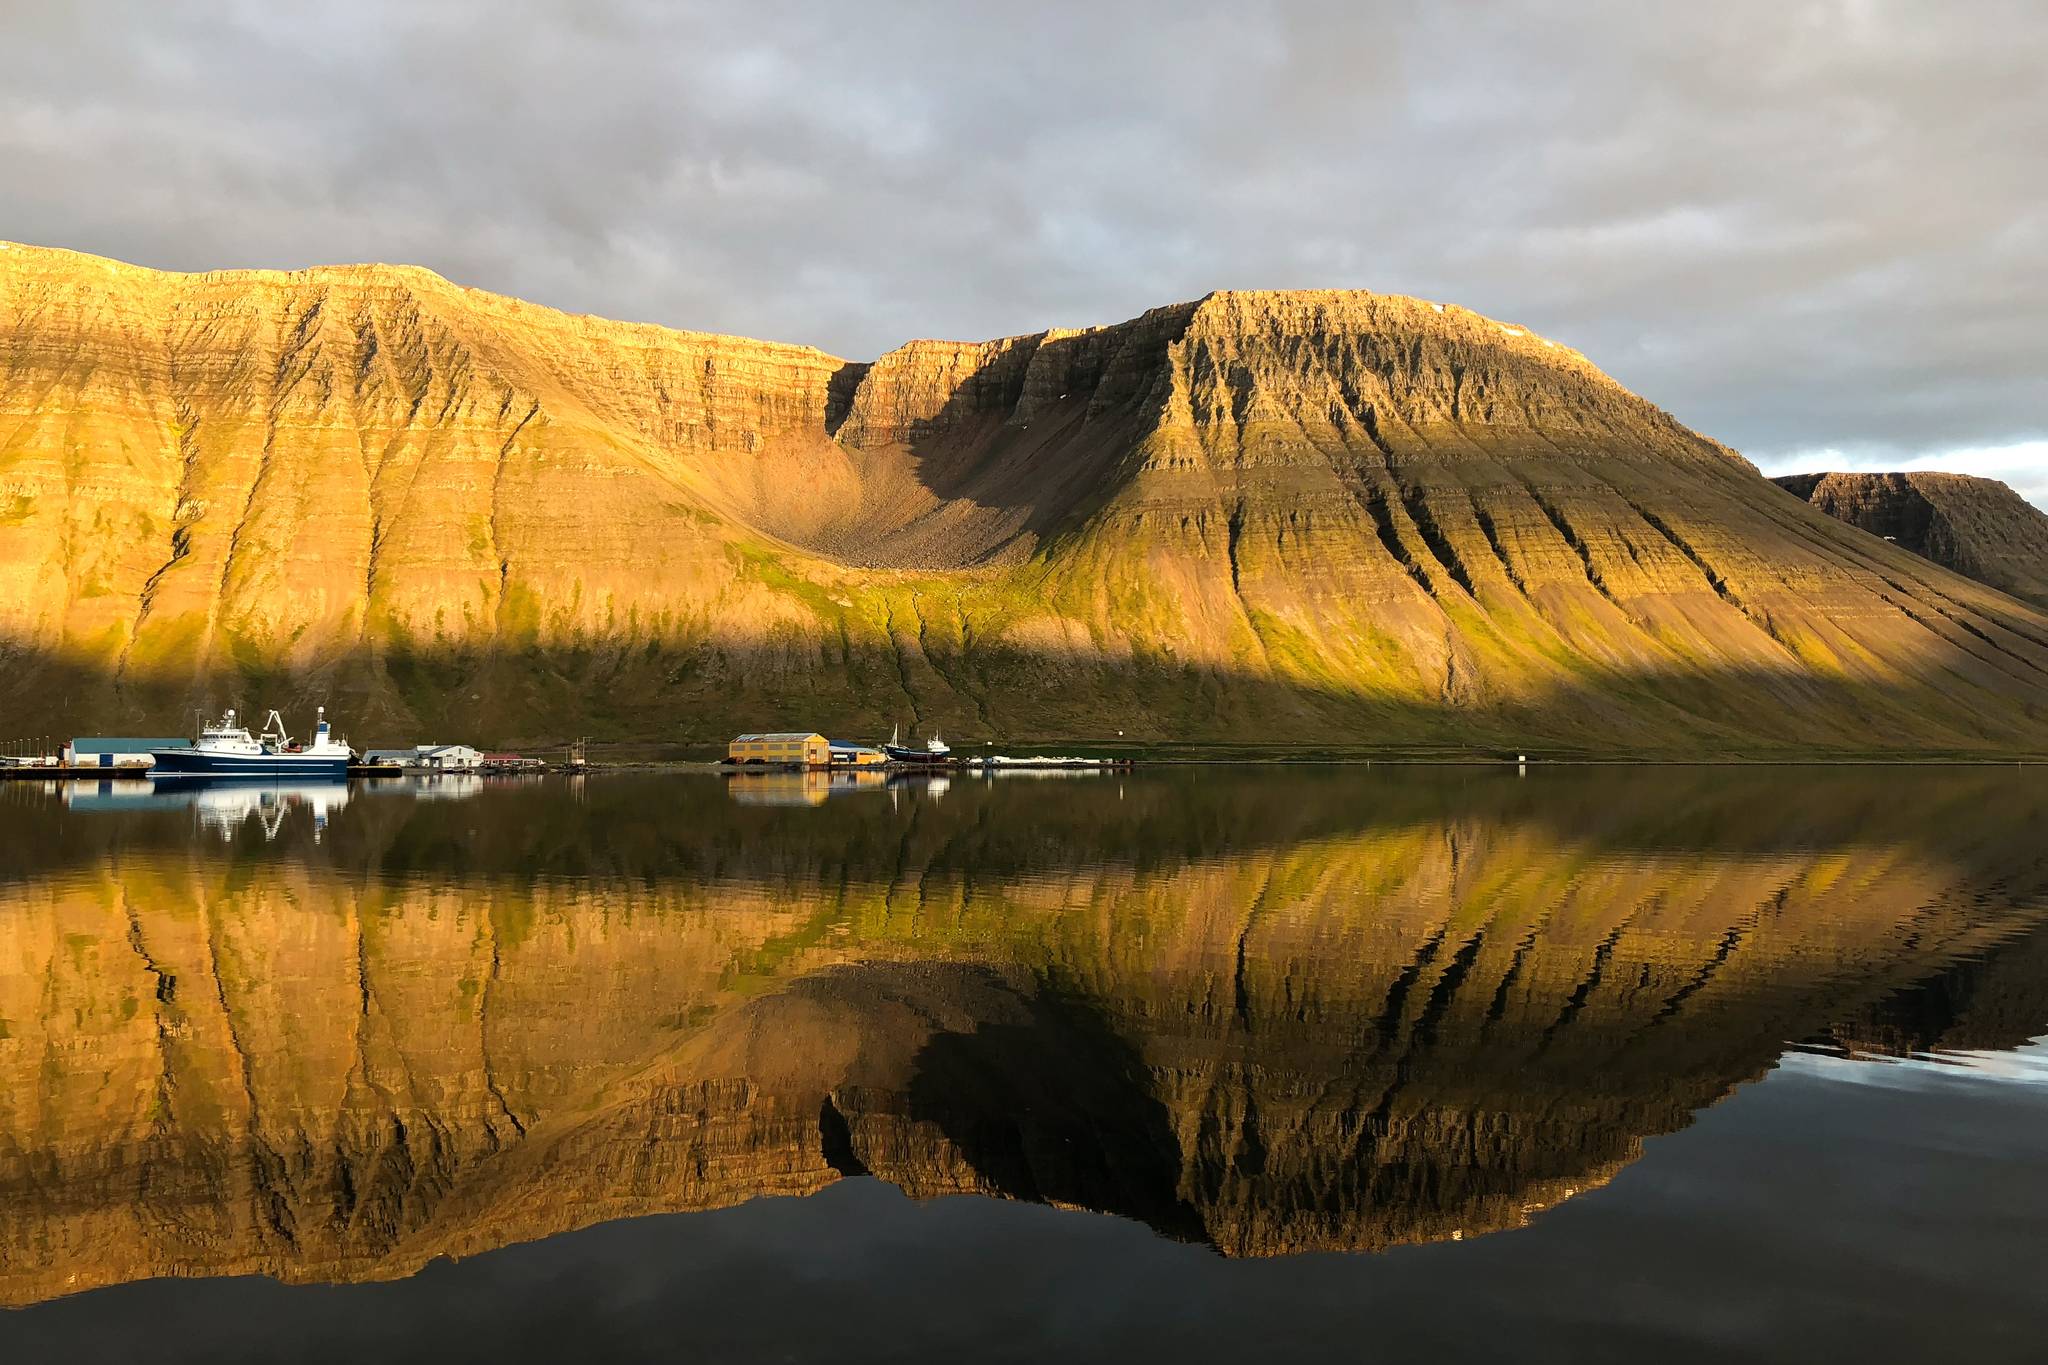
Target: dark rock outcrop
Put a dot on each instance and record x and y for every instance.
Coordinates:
(1977, 527)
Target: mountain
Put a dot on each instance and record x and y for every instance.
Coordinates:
(1335, 518)
(1978, 527)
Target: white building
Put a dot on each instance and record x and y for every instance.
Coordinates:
(430, 758)
(116, 753)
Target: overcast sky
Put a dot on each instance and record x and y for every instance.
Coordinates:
(1816, 229)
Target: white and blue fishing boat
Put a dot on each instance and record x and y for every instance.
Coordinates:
(227, 749)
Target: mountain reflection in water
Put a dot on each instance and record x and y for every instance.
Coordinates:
(1271, 1012)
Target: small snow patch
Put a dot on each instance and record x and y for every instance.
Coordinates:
(1439, 307)
(1512, 332)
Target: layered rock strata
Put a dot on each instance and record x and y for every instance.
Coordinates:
(1278, 517)
(1978, 527)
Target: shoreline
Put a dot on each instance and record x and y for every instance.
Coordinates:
(1127, 762)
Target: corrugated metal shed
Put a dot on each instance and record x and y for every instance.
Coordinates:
(125, 746)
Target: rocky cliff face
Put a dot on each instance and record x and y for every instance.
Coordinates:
(1283, 517)
(1263, 1034)
(1977, 527)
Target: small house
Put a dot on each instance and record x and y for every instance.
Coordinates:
(845, 755)
(787, 749)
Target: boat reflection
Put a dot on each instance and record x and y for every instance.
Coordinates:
(224, 805)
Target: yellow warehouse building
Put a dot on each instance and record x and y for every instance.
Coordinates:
(781, 750)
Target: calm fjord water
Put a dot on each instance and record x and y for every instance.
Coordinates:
(1588, 1064)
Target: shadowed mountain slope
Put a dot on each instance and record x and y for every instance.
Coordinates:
(1322, 516)
(1978, 527)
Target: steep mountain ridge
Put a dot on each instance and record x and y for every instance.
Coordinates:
(1314, 516)
(1978, 527)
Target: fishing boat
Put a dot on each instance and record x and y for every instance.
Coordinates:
(227, 749)
(935, 750)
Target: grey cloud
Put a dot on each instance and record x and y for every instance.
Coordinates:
(1799, 225)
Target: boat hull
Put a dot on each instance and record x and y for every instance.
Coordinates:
(198, 763)
(899, 754)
